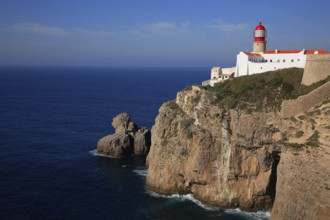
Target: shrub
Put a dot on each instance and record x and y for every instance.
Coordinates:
(196, 98)
(299, 134)
(187, 88)
(313, 140)
(172, 105)
(293, 145)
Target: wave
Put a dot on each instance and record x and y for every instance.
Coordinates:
(94, 153)
(187, 197)
(141, 171)
(259, 215)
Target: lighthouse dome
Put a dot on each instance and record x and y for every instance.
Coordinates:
(260, 27)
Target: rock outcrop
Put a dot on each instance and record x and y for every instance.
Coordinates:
(224, 158)
(128, 139)
(231, 158)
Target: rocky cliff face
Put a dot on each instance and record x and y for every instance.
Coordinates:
(224, 158)
(229, 158)
(303, 186)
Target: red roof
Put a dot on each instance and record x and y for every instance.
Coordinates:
(296, 51)
(260, 27)
(318, 51)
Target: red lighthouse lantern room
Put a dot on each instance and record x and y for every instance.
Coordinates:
(259, 42)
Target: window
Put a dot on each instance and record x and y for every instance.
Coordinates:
(260, 67)
(283, 61)
(278, 60)
(291, 60)
(298, 60)
(271, 60)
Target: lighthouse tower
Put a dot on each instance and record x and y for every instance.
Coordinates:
(259, 42)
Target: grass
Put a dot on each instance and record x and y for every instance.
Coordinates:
(172, 105)
(293, 145)
(313, 140)
(262, 92)
(299, 134)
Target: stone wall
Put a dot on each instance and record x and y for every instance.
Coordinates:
(303, 103)
(317, 68)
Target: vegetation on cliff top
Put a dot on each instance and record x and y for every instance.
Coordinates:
(262, 92)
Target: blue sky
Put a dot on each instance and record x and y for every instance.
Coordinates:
(153, 32)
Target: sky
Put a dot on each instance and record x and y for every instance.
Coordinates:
(166, 33)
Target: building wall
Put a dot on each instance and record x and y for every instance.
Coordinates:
(248, 65)
(303, 103)
(215, 72)
(228, 71)
(317, 68)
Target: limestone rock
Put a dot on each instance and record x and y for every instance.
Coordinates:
(303, 177)
(116, 145)
(127, 140)
(224, 158)
(123, 124)
(230, 158)
(142, 140)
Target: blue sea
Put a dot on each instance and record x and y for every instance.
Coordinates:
(50, 122)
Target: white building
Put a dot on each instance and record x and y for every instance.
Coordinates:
(261, 60)
(252, 63)
(219, 74)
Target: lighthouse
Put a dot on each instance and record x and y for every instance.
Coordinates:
(261, 60)
(259, 42)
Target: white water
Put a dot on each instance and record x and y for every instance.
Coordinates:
(141, 172)
(94, 153)
(259, 215)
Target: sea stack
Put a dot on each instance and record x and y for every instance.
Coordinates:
(127, 140)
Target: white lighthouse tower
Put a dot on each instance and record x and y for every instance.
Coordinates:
(259, 42)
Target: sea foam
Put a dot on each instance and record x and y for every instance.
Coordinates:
(142, 171)
(94, 153)
(259, 215)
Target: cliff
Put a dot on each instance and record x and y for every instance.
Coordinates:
(225, 149)
(225, 158)
(303, 177)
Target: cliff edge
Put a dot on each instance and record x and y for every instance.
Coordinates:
(230, 146)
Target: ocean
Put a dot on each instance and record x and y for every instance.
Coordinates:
(50, 122)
